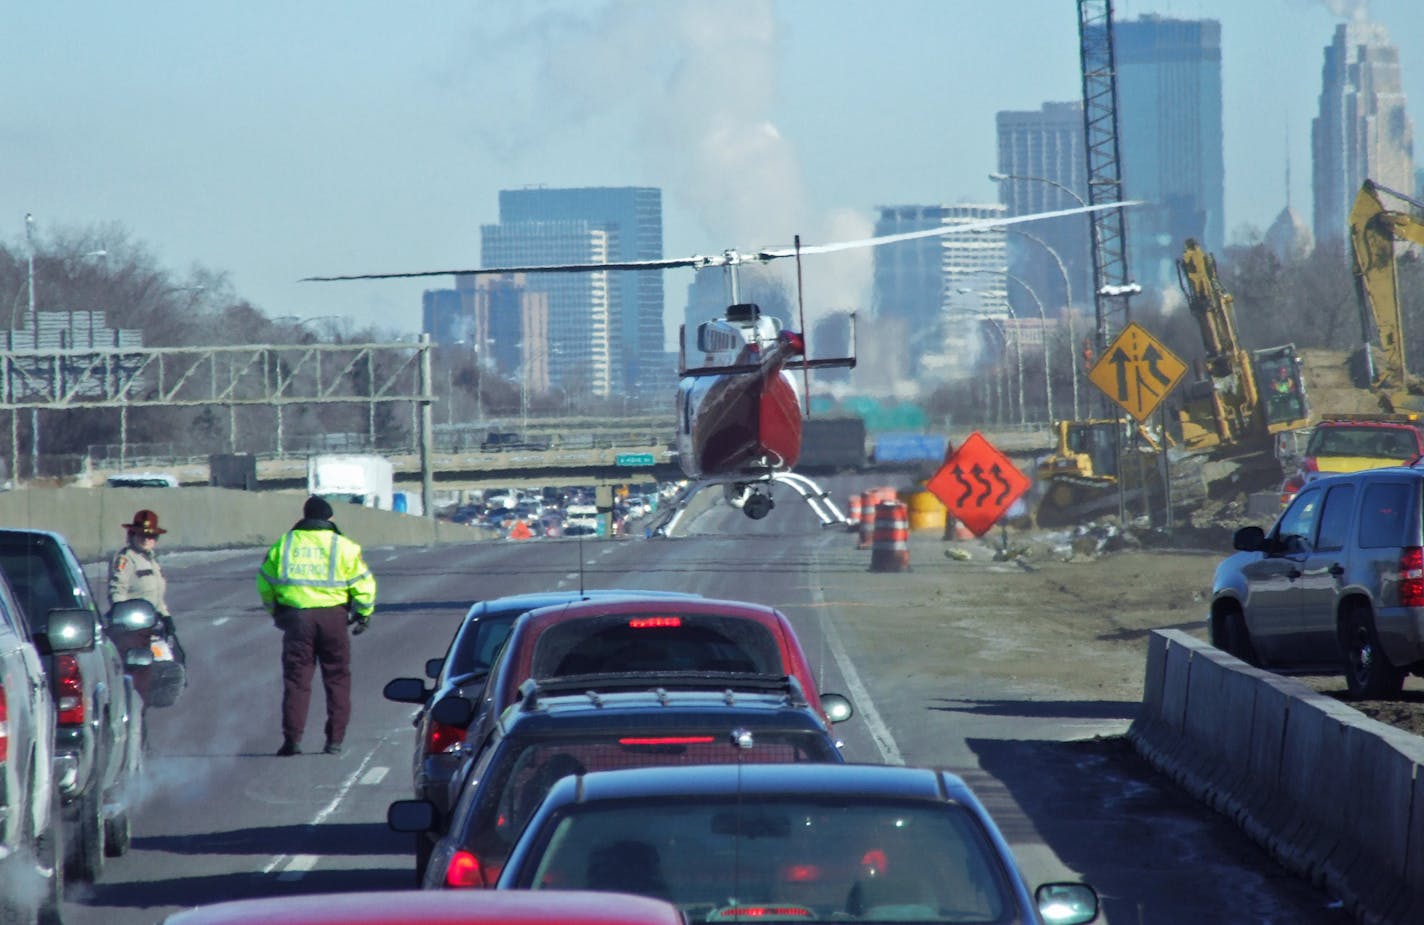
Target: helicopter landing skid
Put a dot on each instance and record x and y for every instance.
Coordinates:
(816, 497)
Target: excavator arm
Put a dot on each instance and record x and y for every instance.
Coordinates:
(1233, 395)
(1374, 230)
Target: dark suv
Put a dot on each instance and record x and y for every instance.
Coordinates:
(555, 731)
(1337, 583)
(98, 733)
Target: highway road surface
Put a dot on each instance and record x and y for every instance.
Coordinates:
(222, 818)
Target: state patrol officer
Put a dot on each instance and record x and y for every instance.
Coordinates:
(314, 583)
(134, 573)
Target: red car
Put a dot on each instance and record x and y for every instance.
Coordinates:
(411, 907)
(691, 639)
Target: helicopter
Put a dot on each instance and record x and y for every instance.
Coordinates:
(740, 411)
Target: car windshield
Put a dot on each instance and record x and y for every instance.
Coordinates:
(803, 860)
(522, 770)
(1379, 442)
(479, 641)
(656, 642)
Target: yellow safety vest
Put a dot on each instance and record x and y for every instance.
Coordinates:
(316, 568)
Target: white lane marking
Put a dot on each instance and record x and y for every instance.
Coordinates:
(324, 812)
(374, 776)
(298, 867)
(859, 696)
(221, 620)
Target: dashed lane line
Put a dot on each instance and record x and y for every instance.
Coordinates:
(291, 869)
(879, 731)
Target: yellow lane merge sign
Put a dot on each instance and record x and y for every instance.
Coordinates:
(1137, 371)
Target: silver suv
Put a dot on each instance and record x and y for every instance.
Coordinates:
(1337, 583)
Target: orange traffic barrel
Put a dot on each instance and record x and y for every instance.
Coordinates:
(867, 520)
(890, 544)
(853, 521)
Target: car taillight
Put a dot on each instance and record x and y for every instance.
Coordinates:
(4, 727)
(1309, 464)
(764, 912)
(69, 698)
(440, 738)
(1411, 577)
(644, 623)
(463, 872)
(666, 740)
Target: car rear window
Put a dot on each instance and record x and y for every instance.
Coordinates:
(34, 567)
(1383, 514)
(792, 859)
(656, 642)
(522, 770)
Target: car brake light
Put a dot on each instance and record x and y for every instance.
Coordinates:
(666, 740)
(463, 871)
(764, 912)
(69, 699)
(1411, 577)
(440, 738)
(4, 727)
(643, 623)
(1309, 464)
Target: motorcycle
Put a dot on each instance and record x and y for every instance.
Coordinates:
(152, 654)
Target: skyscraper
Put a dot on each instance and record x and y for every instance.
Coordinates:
(1170, 141)
(625, 308)
(1363, 130)
(578, 309)
(916, 283)
(1044, 165)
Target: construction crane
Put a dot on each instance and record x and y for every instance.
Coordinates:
(1111, 286)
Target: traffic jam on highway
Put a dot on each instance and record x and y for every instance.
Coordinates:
(658, 743)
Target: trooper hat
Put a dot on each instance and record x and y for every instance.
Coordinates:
(145, 522)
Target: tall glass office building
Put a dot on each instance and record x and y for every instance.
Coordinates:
(1170, 141)
(1362, 130)
(624, 308)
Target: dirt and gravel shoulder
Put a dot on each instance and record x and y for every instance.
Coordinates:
(1062, 614)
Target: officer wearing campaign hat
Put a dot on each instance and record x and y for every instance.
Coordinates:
(314, 582)
(133, 572)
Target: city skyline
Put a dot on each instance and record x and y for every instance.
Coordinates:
(303, 143)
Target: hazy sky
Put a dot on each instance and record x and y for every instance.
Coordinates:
(276, 140)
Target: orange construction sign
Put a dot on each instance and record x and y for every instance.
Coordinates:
(520, 531)
(978, 484)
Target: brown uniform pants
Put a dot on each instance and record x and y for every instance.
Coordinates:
(309, 636)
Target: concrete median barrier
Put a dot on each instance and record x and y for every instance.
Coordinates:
(204, 518)
(1333, 795)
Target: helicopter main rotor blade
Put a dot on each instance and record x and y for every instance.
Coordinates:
(733, 258)
(712, 260)
(985, 224)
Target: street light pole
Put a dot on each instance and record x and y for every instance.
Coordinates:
(1068, 310)
(1043, 320)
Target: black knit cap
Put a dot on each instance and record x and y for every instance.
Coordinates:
(316, 508)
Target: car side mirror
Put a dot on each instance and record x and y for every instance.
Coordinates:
(837, 706)
(69, 630)
(1249, 539)
(411, 816)
(406, 690)
(1066, 903)
(134, 615)
(453, 711)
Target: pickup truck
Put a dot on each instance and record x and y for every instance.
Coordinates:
(1355, 442)
(98, 733)
(31, 836)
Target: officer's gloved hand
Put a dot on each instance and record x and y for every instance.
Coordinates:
(359, 625)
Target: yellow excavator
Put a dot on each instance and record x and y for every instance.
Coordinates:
(1230, 416)
(1374, 230)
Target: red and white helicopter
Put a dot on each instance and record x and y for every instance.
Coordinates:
(739, 412)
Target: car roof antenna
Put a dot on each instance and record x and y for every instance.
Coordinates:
(580, 557)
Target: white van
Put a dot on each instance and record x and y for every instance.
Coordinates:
(580, 520)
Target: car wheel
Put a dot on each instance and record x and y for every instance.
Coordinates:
(118, 834)
(1368, 672)
(423, 848)
(86, 858)
(49, 867)
(1230, 635)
